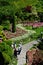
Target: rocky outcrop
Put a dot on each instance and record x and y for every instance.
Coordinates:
(34, 57)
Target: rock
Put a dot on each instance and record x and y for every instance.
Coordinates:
(34, 57)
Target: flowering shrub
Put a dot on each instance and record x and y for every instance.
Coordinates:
(34, 25)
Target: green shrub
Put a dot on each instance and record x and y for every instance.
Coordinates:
(6, 48)
(40, 14)
(6, 25)
(9, 42)
(32, 17)
(2, 35)
(1, 28)
(6, 57)
(2, 46)
(6, 51)
(40, 46)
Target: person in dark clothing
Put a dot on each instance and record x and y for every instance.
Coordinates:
(15, 52)
(1, 59)
(19, 50)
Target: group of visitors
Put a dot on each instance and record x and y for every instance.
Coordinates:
(16, 50)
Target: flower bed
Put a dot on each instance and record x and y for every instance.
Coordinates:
(19, 32)
(36, 24)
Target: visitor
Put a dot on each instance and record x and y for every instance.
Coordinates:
(15, 52)
(19, 50)
(14, 44)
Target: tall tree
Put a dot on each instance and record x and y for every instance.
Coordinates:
(7, 9)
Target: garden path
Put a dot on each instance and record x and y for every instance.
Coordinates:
(25, 48)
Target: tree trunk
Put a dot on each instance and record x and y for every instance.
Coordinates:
(13, 25)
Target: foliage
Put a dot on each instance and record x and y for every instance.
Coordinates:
(13, 61)
(6, 48)
(1, 28)
(2, 35)
(6, 51)
(6, 57)
(40, 16)
(7, 11)
(6, 25)
(8, 42)
(16, 8)
(36, 6)
(38, 30)
(40, 45)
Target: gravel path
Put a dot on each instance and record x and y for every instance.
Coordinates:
(25, 48)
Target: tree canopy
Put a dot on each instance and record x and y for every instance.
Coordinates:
(10, 7)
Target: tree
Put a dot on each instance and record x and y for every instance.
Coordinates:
(7, 11)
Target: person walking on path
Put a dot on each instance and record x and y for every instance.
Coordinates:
(15, 52)
(19, 48)
(13, 45)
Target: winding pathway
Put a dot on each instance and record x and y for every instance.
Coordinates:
(25, 48)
